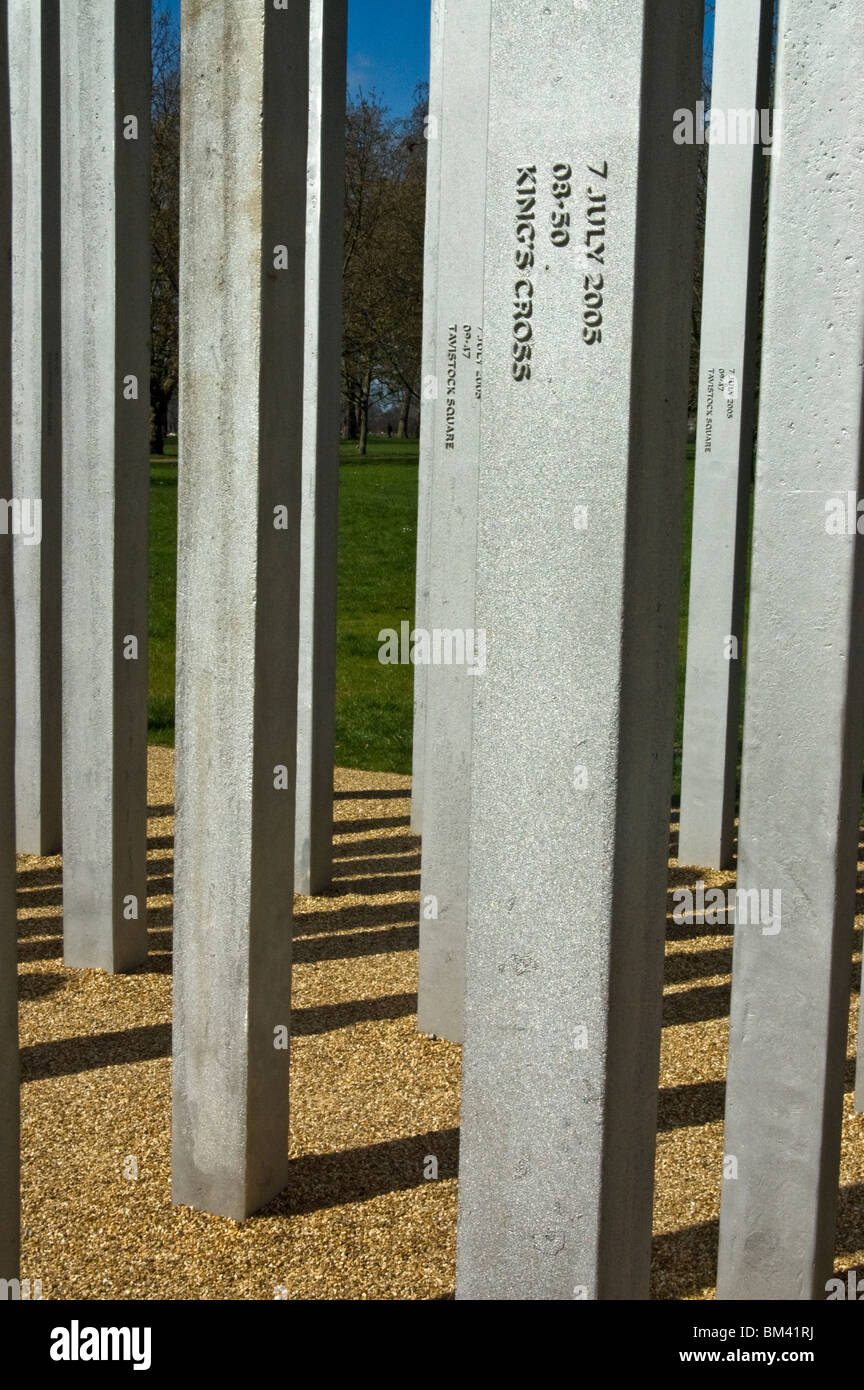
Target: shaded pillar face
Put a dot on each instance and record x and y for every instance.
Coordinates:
(105, 261)
(34, 74)
(325, 219)
(10, 1207)
(588, 280)
(724, 435)
(801, 781)
(456, 650)
(428, 394)
(243, 183)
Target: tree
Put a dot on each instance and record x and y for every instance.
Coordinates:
(402, 329)
(385, 193)
(368, 172)
(383, 265)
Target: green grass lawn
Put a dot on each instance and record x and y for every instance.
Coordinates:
(377, 557)
(377, 541)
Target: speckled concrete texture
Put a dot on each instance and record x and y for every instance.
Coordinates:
(243, 151)
(325, 217)
(580, 488)
(9, 1162)
(804, 708)
(105, 314)
(430, 387)
(452, 542)
(725, 414)
(34, 79)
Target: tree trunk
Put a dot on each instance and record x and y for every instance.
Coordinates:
(349, 412)
(364, 412)
(158, 421)
(404, 415)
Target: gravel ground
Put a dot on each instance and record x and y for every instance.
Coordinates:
(372, 1100)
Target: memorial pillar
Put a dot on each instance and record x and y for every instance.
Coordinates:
(10, 1161)
(242, 245)
(803, 735)
(105, 305)
(452, 542)
(319, 531)
(724, 432)
(34, 77)
(429, 393)
(588, 284)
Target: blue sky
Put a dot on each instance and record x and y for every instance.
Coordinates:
(388, 48)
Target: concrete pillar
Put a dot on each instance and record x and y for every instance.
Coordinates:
(34, 79)
(242, 233)
(10, 1219)
(801, 784)
(588, 279)
(319, 531)
(105, 261)
(724, 440)
(452, 539)
(429, 391)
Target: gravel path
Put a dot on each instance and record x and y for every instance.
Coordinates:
(372, 1100)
